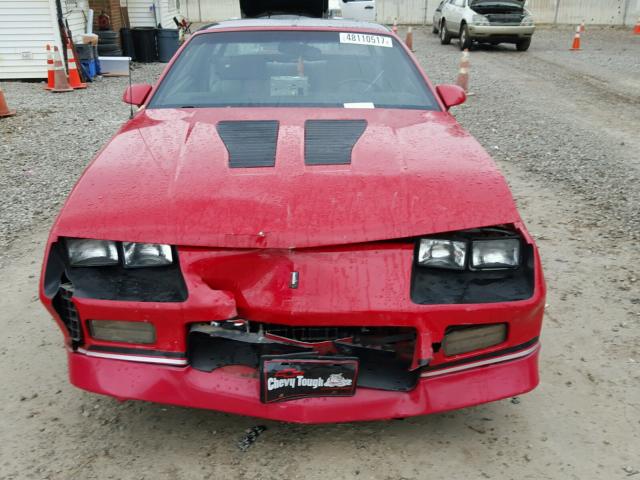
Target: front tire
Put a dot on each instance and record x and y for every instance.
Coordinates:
(523, 45)
(445, 38)
(465, 38)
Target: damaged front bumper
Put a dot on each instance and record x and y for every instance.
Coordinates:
(237, 389)
(242, 305)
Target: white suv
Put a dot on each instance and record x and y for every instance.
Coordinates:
(364, 10)
(485, 21)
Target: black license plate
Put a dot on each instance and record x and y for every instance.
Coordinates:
(285, 378)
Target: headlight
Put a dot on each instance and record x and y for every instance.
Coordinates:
(146, 254)
(527, 21)
(480, 20)
(495, 254)
(442, 253)
(87, 252)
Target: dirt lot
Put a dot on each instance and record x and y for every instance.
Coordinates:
(563, 126)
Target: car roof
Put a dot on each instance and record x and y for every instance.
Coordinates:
(295, 21)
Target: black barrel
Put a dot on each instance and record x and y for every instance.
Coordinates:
(126, 39)
(144, 44)
(167, 43)
(84, 51)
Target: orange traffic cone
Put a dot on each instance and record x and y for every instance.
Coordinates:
(409, 40)
(60, 82)
(463, 74)
(636, 29)
(4, 108)
(74, 76)
(582, 28)
(394, 29)
(576, 40)
(49, 68)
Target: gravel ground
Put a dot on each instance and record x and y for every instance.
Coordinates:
(563, 126)
(49, 143)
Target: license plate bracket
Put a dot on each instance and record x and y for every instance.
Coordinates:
(284, 377)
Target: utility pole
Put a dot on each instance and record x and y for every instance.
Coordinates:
(626, 12)
(555, 18)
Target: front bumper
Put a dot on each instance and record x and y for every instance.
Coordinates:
(494, 31)
(336, 288)
(237, 390)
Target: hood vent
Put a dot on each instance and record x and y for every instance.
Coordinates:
(330, 142)
(250, 143)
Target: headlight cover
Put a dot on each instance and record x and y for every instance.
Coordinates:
(495, 254)
(88, 252)
(138, 255)
(480, 20)
(438, 253)
(527, 21)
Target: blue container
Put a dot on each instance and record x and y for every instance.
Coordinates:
(89, 67)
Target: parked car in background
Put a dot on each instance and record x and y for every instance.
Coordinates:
(364, 10)
(486, 21)
(437, 16)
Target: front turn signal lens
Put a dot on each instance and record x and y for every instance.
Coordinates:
(460, 340)
(122, 331)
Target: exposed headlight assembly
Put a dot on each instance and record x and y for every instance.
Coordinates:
(87, 252)
(495, 254)
(442, 254)
(146, 254)
(470, 253)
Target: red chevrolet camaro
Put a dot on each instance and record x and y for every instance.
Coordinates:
(293, 226)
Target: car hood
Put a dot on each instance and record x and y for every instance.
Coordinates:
(259, 8)
(165, 178)
(511, 3)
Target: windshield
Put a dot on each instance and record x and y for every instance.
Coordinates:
(293, 68)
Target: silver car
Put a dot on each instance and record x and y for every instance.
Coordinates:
(485, 21)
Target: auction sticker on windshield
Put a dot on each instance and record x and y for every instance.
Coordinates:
(366, 39)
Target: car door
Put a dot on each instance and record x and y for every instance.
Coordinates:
(364, 10)
(455, 15)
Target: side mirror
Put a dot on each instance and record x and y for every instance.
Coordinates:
(451, 95)
(136, 94)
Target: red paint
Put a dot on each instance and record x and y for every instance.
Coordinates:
(136, 94)
(232, 390)
(451, 95)
(164, 178)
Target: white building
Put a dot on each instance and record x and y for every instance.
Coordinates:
(141, 12)
(572, 12)
(26, 26)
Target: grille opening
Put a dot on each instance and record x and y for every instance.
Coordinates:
(63, 304)
(400, 340)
